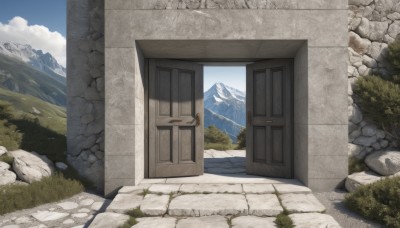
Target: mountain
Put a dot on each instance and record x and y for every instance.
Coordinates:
(44, 62)
(18, 76)
(225, 107)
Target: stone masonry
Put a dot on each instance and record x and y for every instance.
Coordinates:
(373, 24)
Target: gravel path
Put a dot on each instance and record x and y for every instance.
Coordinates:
(333, 201)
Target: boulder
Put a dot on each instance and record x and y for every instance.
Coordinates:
(356, 180)
(358, 44)
(31, 167)
(369, 130)
(7, 177)
(4, 166)
(354, 150)
(385, 163)
(365, 141)
(3, 150)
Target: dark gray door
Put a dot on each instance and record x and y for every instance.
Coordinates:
(176, 143)
(269, 118)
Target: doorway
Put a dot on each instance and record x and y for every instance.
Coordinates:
(176, 117)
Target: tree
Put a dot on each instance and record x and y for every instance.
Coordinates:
(216, 139)
(241, 139)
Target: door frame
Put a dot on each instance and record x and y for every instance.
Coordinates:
(146, 110)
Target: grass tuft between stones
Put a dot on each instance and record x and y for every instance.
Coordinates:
(133, 215)
(284, 221)
(379, 201)
(49, 189)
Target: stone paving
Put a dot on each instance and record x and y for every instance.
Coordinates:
(216, 205)
(77, 211)
(225, 162)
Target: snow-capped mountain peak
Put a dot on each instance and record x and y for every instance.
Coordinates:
(36, 58)
(222, 92)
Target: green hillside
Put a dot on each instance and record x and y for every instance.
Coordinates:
(19, 77)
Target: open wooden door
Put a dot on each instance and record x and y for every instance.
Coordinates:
(269, 118)
(176, 140)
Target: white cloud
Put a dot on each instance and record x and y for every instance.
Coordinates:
(38, 36)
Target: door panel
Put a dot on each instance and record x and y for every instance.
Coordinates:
(176, 144)
(269, 118)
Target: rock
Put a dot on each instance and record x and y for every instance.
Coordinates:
(3, 150)
(356, 180)
(44, 216)
(252, 221)
(313, 220)
(378, 51)
(97, 206)
(385, 163)
(377, 30)
(7, 177)
(264, 205)
(355, 115)
(360, 2)
(154, 222)
(369, 130)
(364, 28)
(154, 205)
(83, 210)
(364, 71)
(355, 134)
(301, 203)
(365, 141)
(207, 221)
(86, 202)
(394, 16)
(61, 166)
(353, 150)
(358, 44)
(369, 62)
(69, 221)
(376, 146)
(125, 202)
(394, 29)
(68, 205)
(380, 134)
(291, 188)
(384, 143)
(23, 220)
(383, 6)
(208, 204)
(354, 57)
(258, 188)
(4, 166)
(109, 220)
(79, 215)
(31, 167)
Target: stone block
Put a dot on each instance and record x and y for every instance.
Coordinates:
(109, 219)
(154, 205)
(252, 221)
(119, 167)
(158, 222)
(330, 140)
(330, 167)
(125, 202)
(313, 220)
(211, 188)
(291, 188)
(120, 140)
(301, 203)
(264, 205)
(206, 221)
(164, 188)
(258, 188)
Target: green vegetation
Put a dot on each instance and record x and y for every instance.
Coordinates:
(284, 221)
(379, 98)
(216, 139)
(7, 159)
(133, 215)
(357, 165)
(241, 139)
(379, 201)
(50, 189)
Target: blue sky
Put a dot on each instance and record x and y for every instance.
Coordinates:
(233, 76)
(50, 13)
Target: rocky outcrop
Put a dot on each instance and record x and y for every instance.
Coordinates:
(31, 167)
(385, 163)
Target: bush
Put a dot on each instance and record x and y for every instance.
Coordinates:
(394, 54)
(380, 99)
(241, 139)
(7, 159)
(357, 165)
(50, 189)
(216, 139)
(379, 201)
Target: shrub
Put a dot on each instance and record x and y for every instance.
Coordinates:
(7, 159)
(216, 139)
(380, 99)
(283, 221)
(241, 139)
(394, 54)
(379, 201)
(50, 189)
(356, 165)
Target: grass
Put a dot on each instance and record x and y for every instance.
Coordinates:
(356, 165)
(133, 215)
(7, 159)
(49, 189)
(219, 146)
(283, 221)
(379, 201)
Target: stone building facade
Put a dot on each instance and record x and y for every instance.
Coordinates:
(106, 74)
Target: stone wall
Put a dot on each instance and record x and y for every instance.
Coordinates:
(373, 24)
(85, 50)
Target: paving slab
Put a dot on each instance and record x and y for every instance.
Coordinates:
(316, 220)
(155, 222)
(153, 181)
(258, 188)
(131, 189)
(264, 205)
(164, 188)
(208, 204)
(253, 222)
(230, 170)
(291, 188)
(125, 202)
(301, 203)
(154, 205)
(44, 216)
(211, 188)
(109, 220)
(203, 222)
(68, 205)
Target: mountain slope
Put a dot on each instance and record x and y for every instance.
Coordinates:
(222, 123)
(226, 101)
(44, 62)
(18, 76)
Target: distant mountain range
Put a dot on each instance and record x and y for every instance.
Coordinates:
(31, 72)
(225, 107)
